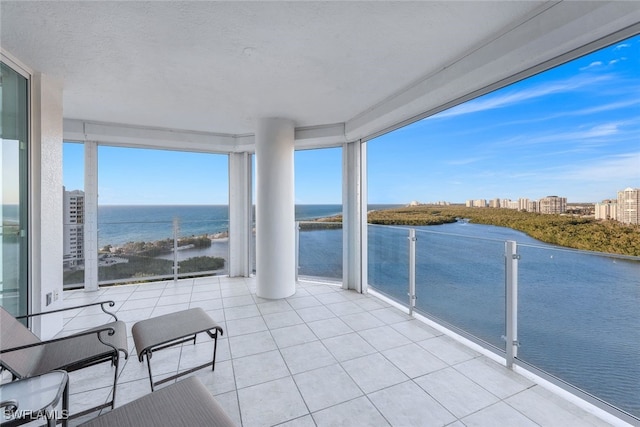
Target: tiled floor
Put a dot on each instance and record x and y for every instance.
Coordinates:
(324, 357)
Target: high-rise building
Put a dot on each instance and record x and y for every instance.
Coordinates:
(607, 209)
(629, 206)
(495, 203)
(533, 206)
(73, 205)
(523, 204)
(553, 205)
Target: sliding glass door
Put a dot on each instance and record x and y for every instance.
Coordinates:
(13, 190)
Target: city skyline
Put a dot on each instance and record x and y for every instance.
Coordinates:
(572, 131)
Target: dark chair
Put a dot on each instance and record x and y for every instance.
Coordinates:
(24, 355)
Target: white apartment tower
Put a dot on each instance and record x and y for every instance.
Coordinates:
(523, 204)
(629, 206)
(73, 228)
(607, 209)
(553, 205)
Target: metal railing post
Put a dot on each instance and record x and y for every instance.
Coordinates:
(176, 226)
(297, 248)
(511, 301)
(412, 270)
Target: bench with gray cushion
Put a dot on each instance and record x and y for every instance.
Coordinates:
(186, 403)
(24, 355)
(171, 329)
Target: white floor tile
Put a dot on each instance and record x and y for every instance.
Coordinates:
(384, 338)
(457, 393)
(493, 377)
(328, 328)
(271, 403)
(246, 345)
(356, 412)
(362, 321)
(293, 335)
(407, 404)
(306, 357)
(448, 350)
(259, 368)
(348, 346)
(280, 320)
(413, 360)
(373, 372)
(415, 330)
(248, 325)
(283, 368)
(326, 387)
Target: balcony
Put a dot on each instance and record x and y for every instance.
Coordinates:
(257, 81)
(572, 327)
(324, 356)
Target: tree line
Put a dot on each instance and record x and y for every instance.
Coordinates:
(562, 230)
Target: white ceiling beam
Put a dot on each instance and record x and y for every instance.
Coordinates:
(320, 136)
(147, 137)
(171, 139)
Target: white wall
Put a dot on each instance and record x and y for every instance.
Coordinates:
(46, 197)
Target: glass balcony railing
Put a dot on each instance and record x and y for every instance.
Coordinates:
(320, 250)
(570, 316)
(460, 280)
(145, 251)
(388, 265)
(146, 255)
(579, 320)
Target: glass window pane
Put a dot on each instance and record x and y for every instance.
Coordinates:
(144, 194)
(13, 191)
(73, 214)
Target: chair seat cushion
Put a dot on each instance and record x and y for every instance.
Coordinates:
(186, 403)
(76, 352)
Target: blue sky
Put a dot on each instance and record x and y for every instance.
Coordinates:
(573, 131)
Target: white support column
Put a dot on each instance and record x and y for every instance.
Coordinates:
(46, 200)
(275, 209)
(240, 214)
(354, 214)
(90, 246)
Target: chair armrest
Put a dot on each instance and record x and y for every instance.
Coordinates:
(102, 303)
(109, 330)
(10, 407)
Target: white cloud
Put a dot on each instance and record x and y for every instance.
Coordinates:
(592, 65)
(502, 100)
(600, 130)
(583, 112)
(593, 133)
(621, 167)
(622, 46)
(461, 162)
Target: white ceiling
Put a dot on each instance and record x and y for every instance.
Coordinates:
(213, 66)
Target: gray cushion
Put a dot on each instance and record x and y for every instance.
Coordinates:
(186, 403)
